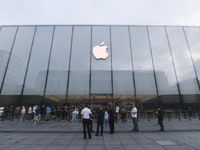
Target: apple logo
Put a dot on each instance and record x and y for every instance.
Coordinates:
(99, 51)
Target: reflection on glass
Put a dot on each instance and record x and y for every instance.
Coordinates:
(80, 61)
(193, 38)
(59, 61)
(37, 69)
(6, 39)
(183, 61)
(142, 61)
(121, 62)
(165, 75)
(101, 69)
(18, 62)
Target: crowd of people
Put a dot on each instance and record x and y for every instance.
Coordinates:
(37, 112)
(103, 116)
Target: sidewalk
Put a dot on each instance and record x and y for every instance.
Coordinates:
(75, 127)
(178, 135)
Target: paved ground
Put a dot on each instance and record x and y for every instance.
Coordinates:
(18, 135)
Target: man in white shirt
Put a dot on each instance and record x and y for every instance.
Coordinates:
(1, 112)
(85, 118)
(134, 118)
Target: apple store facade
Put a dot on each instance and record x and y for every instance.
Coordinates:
(101, 64)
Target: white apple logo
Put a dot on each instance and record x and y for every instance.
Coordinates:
(99, 51)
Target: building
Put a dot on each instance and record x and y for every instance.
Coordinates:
(149, 65)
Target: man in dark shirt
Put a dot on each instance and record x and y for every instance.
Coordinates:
(111, 117)
(100, 119)
(160, 118)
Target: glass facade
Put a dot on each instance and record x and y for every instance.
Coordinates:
(149, 65)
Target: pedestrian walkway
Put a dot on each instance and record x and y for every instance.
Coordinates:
(75, 127)
(51, 135)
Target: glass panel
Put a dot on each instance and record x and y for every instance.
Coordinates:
(18, 62)
(59, 63)
(6, 40)
(143, 68)
(122, 65)
(183, 62)
(193, 38)
(80, 64)
(36, 76)
(101, 68)
(165, 75)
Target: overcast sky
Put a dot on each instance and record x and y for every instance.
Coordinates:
(107, 12)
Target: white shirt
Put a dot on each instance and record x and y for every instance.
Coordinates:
(117, 109)
(134, 112)
(30, 110)
(23, 111)
(86, 113)
(1, 110)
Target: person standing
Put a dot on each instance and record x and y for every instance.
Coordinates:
(48, 113)
(2, 112)
(36, 114)
(30, 113)
(106, 116)
(23, 113)
(85, 119)
(11, 112)
(134, 118)
(17, 112)
(65, 113)
(123, 113)
(160, 118)
(100, 119)
(58, 113)
(91, 119)
(117, 113)
(111, 118)
(74, 114)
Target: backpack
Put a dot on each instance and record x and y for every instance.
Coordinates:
(123, 110)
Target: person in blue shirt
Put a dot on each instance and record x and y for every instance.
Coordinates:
(106, 116)
(48, 113)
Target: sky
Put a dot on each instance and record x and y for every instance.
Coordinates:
(100, 12)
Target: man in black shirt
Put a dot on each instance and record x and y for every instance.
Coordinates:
(160, 118)
(111, 117)
(100, 119)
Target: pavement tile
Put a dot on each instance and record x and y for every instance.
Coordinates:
(16, 147)
(129, 141)
(180, 147)
(94, 147)
(55, 147)
(114, 147)
(75, 147)
(25, 135)
(153, 147)
(133, 147)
